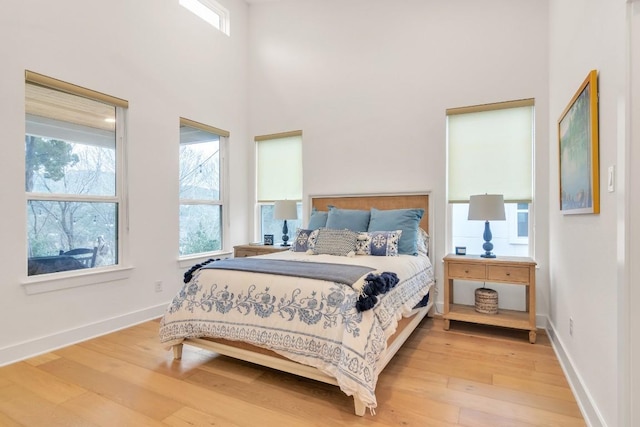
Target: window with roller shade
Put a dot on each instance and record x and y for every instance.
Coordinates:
(74, 176)
(490, 151)
(278, 177)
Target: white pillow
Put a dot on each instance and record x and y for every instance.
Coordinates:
(423, 242)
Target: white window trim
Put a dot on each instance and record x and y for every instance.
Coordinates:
(66, 280)
(257, 216)
(512, 221)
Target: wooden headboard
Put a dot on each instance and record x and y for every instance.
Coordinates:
(380, 201)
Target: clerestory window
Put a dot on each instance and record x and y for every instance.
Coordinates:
(211, 12)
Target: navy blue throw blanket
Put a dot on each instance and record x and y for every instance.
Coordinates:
(375, 284)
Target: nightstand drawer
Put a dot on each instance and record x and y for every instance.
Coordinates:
(254, 250)
(466, 271)
(508, 273)
(241, 253)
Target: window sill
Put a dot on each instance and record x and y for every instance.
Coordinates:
(59, 281)
(518, 242)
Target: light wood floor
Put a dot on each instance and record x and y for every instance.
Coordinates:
(469, 376)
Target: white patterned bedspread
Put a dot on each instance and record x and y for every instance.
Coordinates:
(309, 321)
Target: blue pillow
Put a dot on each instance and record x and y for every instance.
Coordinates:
(407, 220)
(318, 219)
(351, 219)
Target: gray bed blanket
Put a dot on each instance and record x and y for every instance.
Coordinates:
(340, 273)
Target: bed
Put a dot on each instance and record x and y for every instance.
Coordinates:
(320, 311)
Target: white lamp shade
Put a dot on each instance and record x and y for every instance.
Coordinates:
(486, 207)
(285, 209)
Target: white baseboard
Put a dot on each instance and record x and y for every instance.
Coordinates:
(438, 308)
(31, 348)
(585, 401)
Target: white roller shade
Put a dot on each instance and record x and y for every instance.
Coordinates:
(490, 151)
(279, 167)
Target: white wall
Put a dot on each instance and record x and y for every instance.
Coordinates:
(584, 249)
(167, 63)
(629, 295)
(368, 82)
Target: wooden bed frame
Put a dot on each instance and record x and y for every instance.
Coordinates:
(406, 326)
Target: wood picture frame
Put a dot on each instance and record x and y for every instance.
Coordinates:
(579, 151)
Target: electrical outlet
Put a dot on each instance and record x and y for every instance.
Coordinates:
(158, 286)
(570, 326)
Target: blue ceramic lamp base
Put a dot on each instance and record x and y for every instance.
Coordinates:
(487, 246)
(285, 232)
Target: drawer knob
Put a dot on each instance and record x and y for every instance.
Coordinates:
(508, 274)
(466, 271)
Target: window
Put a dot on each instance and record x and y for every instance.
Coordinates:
(522, 220)
(490, 150)
(73, 178)
(278, 177)
(211, 12)
(201, 184)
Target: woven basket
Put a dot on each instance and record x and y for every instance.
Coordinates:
(486, 301)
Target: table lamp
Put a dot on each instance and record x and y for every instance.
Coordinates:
(284, 210)
(487, 207)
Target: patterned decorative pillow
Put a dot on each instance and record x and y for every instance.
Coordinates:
(305, 240)
(335, 242)
(423, 242)
(378, 243)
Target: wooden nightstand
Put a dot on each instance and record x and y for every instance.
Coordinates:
(253, 250)
(511, 270)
